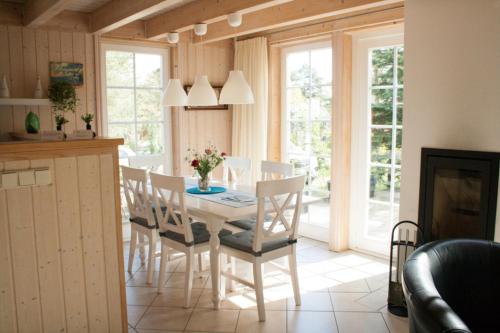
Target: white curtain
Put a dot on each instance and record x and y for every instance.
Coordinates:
(249, 135)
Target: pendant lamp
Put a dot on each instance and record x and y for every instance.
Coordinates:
(236, 90)
(201, 93)
(174, 95)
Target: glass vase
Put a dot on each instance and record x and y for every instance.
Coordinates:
(203, 184)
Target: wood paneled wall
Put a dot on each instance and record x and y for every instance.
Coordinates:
(60, 255)
(26, 53)
(195, 129)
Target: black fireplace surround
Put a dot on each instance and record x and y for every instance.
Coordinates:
(458, 194)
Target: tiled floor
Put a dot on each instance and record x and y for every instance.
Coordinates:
(341, 292)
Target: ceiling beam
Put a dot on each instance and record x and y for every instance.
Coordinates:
(356, 21)
(296, 12)
(208, 11)
(117, 13)
(38, 12)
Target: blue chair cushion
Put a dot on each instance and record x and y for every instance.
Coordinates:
(243, 241)
(200, 234)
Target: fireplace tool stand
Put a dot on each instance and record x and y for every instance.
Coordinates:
(401, 248)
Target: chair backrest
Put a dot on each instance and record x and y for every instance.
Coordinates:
(282, 195)
(168, 193)
(135, 188)
(148, 162)
(237, 167)
(275, 170)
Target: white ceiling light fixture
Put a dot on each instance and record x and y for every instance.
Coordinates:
(200, 29)
(236, 90)
(174, 94)
(173, 37)
(201, 93)
(234, 19)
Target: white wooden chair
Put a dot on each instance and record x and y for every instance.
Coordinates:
(237, 169)
(177, 229)
(142, 220)
(271, 239)
(275, 170)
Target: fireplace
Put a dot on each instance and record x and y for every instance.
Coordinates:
(458, 194)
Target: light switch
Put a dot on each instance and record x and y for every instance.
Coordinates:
(43, 177)
(9, 180)
(27, 177)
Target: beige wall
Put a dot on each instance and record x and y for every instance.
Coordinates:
(26, 53)
(452, 84)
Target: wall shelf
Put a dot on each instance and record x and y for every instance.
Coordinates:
(24, 101)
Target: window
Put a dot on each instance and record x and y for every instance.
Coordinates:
(133, 81)
(378, 69)
(306, 140)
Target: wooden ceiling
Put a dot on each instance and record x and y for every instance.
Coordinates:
(153, 19)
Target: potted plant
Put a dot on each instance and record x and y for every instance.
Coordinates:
(60, 121)
(87, 119)
(204, 163)
(63, 98)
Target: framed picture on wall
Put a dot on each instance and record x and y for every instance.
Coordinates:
(70, 72)
(213, 107)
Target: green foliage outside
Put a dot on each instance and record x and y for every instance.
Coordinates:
(124, 104)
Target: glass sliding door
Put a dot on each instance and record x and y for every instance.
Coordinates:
(306, 135)
(378, 118)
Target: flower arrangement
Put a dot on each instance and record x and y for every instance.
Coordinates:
(204, 163)
(87, 119)
(63, 98)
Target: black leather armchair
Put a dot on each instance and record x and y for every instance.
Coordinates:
(453, 286)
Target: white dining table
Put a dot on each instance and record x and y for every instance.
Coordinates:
(215, 214)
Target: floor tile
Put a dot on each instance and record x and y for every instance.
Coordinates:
(311, 302)
(248, 322)
(156, 331)
(134, 313)
(348, 302)
(174, 297)
(374, 300)
(359, 322)
(396, 324)
(316, 283)
(140, 279)
(352, 259)
(311, 322)
(347, 275)
(176, 280)
(213, 320)
(356, 286)
(162, 318)
(141, 295)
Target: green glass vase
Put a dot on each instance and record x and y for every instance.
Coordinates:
(32, 123)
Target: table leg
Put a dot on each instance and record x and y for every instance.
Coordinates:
(214, 227)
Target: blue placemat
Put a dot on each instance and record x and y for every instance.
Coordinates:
(213, 190)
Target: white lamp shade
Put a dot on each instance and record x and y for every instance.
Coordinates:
(236, 90)
(173, 37)
(174, 95)
(200, 29)
(201, 93)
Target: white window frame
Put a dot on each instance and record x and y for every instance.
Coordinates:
(167, 119)
(360, 143)
(315, 231)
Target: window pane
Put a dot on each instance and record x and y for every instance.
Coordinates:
(120, 104)
(149, 105)
(381, 104)
(399, 140)
(400, 107)
(297, 68)
(297, 104)
(380, 180)
(381, 140)
(321, 66)
(397, 186)
(297, 137)
(320, 174)
(379, 220)
(320, 137)
(119, 69)
(148, 70)
(400, 65)
(321, 103)
(382, 66)
(149, 139)
(125, 131)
